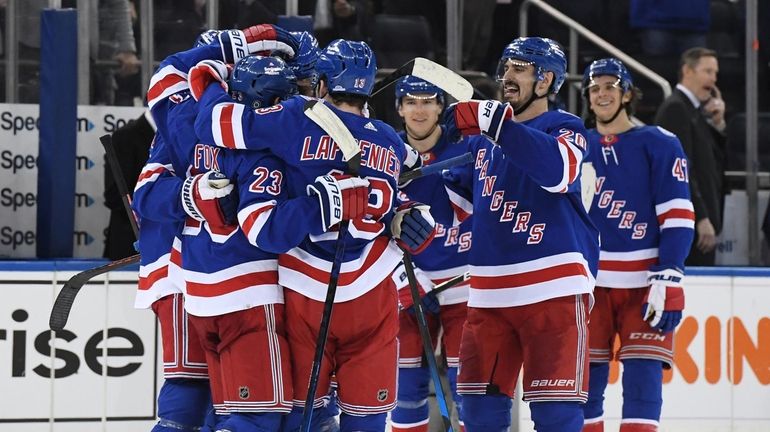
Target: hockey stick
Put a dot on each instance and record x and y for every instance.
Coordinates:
(436, 167)
(449, 81)
(63, 304)
(587, 184)
(427, 343)
(325, 118)
(451, 283)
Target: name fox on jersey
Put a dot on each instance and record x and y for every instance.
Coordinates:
(205, 158)
(373, 155)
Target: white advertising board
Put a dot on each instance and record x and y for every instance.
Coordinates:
(69, 377)
(720, 378)
(19, 147)
(720, 381)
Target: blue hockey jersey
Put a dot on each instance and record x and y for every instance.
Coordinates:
(159, 271)
(308, 152)
(532, 239)
(223, 271)
(641, 204)
(447, 255)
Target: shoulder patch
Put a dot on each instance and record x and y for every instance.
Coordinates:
(268, 110)
(180, 97)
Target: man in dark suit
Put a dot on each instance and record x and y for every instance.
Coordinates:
(132, 146)
(695, 113)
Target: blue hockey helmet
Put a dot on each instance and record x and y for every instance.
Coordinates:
(206, 38)
(349, 67)
(411, 85)
(543, 53)
(257, 81)
(607, 66)
(303, 64)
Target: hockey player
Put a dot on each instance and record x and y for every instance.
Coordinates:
(642, 209)
(169, 90)
(534, 255)
(362, 346)
(420, 105)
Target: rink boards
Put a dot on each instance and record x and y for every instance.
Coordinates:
(70, 383)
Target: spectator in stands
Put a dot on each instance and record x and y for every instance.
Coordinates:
(670, 27)
(132, 147)
(111, 38)
(695, 113)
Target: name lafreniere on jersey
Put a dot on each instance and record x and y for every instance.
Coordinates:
(615, 210)
(373, 156)
(522, 220)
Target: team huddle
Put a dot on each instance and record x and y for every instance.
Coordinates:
(248, 209)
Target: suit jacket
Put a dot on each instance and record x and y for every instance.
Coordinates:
(132, 147)
(706, 153)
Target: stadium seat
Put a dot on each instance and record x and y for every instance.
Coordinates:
(399, 38)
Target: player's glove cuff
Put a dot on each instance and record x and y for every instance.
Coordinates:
(413, 226)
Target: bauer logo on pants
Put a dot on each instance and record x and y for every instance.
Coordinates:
(243, 392)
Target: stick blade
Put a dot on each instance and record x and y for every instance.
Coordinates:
(444, 78)
(63, 305)
(327, 120)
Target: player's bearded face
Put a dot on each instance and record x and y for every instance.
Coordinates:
(606, 96)
(421, 113)
(518, 82)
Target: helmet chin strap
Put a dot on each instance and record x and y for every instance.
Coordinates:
(534, 97)
(614, 116)
(413, 136)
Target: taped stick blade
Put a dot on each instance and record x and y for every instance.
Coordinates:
(446, 79)
(327, 120)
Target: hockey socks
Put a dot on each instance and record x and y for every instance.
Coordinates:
(182, 404)
(412, 410)
(557, 416)
(488, 413)
(594, 407)
(642, 394)
(252, 422)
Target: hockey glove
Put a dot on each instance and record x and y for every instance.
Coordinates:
(477, 117)
(341, 197)
(205, 73)
(412, 162)
(664, 303)
(263, 39)
(429, 302)
(209, 197)
(413, 227)
(207, 38)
